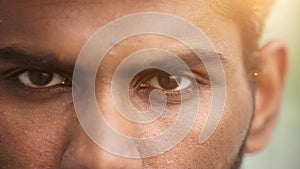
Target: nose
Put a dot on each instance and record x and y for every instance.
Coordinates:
(83, 153)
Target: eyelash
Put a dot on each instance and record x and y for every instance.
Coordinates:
(19, 89)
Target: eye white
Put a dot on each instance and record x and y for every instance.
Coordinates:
(56, 79)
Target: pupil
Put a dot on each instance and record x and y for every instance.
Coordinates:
(168, 82)
(39, 78)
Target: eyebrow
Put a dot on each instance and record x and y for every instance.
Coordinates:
(48, 61)
(45, 61)
(192, 59)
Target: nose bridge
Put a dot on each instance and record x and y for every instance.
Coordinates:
(83, 153)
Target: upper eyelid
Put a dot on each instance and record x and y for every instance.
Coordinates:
(13, 72)
(144, 79)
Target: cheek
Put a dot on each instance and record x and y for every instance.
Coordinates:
(229, 137)
(32, 135)
(222, 148)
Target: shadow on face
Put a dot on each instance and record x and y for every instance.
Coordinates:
(39, 44)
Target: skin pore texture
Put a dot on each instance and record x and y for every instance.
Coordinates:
(39, 127)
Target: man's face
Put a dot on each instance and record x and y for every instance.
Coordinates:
(39, 127)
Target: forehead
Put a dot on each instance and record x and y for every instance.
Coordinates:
(67, 8)
(97, 12)
(79, 18)
(64, 26)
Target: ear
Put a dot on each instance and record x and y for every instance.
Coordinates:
(269, 84)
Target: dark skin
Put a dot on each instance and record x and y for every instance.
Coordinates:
(39, 128)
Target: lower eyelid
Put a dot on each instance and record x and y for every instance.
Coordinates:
(16, 89)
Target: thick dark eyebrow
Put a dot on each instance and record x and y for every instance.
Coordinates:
(45, 61)
(191, 59)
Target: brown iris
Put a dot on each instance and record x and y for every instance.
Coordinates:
(167, 81)
(40, 78)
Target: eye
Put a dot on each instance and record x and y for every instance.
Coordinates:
(167, 82)
(178, 87)
(157, 79)
(40, 79)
